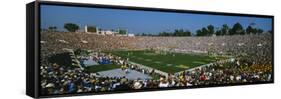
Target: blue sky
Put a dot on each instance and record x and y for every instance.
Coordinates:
(140, 21)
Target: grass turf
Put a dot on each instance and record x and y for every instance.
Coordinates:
(168, 62)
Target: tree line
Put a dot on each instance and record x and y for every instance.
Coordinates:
(210, 30)
(70, 27)
(177, 32)
(237, 29)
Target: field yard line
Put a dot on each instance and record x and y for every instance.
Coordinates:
(149, 68)
(221, 61)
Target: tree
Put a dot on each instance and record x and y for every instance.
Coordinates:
(225, 30)
(71, 27)
(143, 34)
(250, 30)
(211, 30)
(218, 32)
(187, 33)
(164, 34)
(199, 33)
(204, 31)
(259, 31)
(237, 29)
(121, 31)
(181, 32)
(177, 32)
(52, 28)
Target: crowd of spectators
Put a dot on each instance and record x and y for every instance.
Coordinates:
(243, 45)
(253, 61)
(56, 79)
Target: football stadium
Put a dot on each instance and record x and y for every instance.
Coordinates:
(94, 63)
(217, 50)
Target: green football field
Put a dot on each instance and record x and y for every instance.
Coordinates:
(167, 62)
